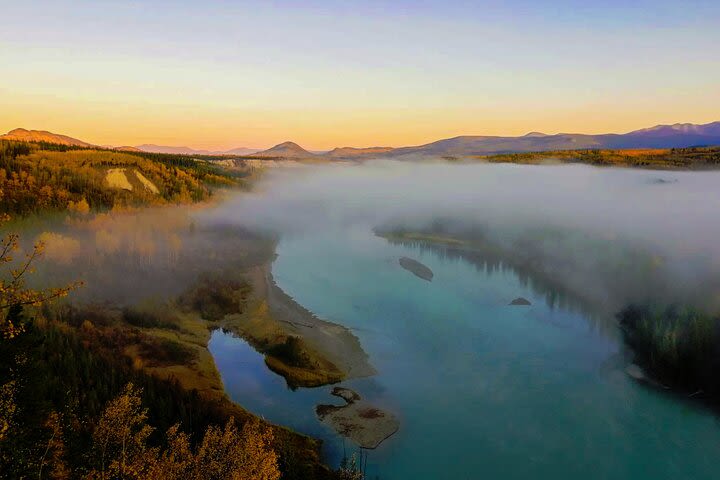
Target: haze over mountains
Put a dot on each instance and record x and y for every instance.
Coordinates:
(679, 135)
(149, 147)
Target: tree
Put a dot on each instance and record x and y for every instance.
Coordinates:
(120, 443)
(120, 438)
(349, 469)
(245, 455)
(7, 408)
(14, 298)
(53, 455)
(14, 295)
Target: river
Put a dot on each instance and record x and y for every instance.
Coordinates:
(482, 389)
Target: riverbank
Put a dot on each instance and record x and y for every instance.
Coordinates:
(159, 279)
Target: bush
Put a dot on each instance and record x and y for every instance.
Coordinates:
(214, 297)
(147, 319)
(163, 351)
(293, 353)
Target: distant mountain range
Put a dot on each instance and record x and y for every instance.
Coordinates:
(149, 147)
(678, 135)
(661, 136)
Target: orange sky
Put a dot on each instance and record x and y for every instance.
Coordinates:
(324, 77)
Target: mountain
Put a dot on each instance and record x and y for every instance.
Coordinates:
(23, 135)
(152, 148)
(678, 135)
(660, 136)
(286, 150)
(126, 149)
(709, 129)
(241, 151)
(351, 152)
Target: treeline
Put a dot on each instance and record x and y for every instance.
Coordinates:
(694, 157)
(678, 346)
(37, 177)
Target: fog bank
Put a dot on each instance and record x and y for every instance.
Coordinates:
(652, 234)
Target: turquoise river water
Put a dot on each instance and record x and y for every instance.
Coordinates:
(482, 389)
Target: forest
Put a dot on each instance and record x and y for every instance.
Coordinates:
(677, 345)
(680, 158)
(73, 405)
(42, 177)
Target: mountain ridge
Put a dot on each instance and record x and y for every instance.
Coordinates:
(678, 135)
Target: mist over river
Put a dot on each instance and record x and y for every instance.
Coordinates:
(484, 389)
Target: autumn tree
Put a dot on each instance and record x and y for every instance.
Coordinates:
(14, 298)
(238, 455)
(121, 449)
(14, 295)
(53, 455)
(120, 437)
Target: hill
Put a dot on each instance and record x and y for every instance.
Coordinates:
(152, 148)
(23, 135)
(351, 152)
(239, 151)
(38, 177)
(679, 135)
(285, 150)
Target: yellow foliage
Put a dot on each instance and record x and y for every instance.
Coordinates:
(59, 248)
(81, 207)
(120, 445)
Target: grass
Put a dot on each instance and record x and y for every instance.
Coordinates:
(287, 355)
(303, 377)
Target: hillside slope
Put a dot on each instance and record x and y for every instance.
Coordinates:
(23, 135)
(285, 150)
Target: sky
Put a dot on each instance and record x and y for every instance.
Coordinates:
(226, 74)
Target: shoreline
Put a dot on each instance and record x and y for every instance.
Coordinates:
(323, 352)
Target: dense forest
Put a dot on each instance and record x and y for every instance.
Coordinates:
(678, 346)
(72, 405)
(39, 177)
(695, 157)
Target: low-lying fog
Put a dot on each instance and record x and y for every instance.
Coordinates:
(623, 235)
(607, 236)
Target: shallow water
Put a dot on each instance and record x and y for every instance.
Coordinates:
(483, 389)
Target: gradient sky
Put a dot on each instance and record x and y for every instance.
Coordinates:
(223, 74)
